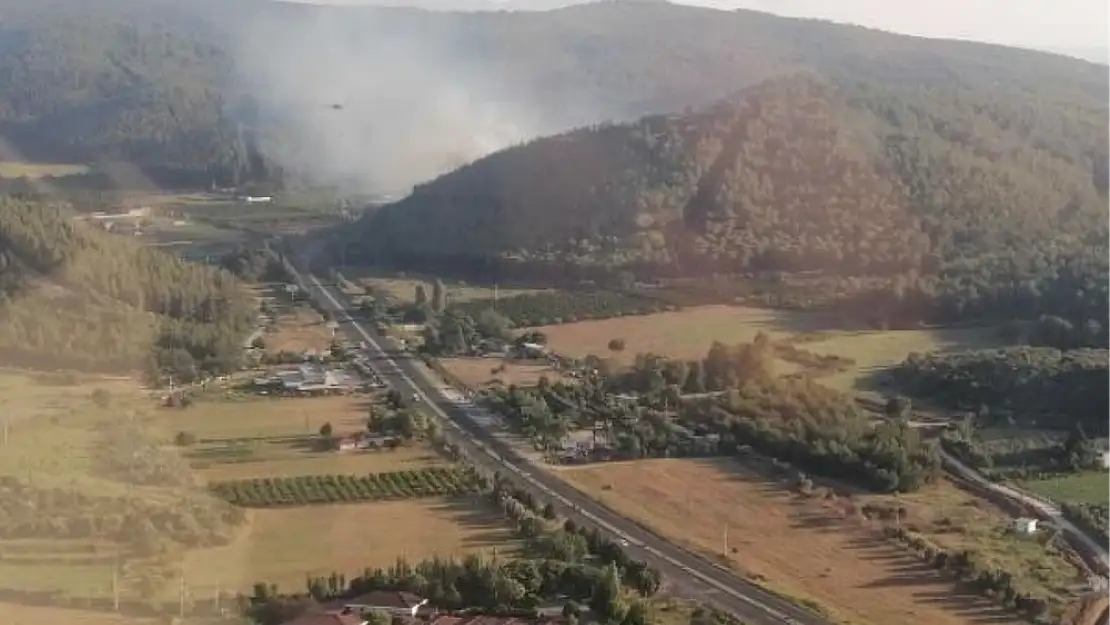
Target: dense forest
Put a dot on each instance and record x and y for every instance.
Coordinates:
(1057, 390)
(903, 202)
(75, 297)
(160, 83)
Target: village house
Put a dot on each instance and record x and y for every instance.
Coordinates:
(399, 603)
(328, 617)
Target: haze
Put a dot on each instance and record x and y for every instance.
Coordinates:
(413, 106)
(1075, 27)
(407, 109)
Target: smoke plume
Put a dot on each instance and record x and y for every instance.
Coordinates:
(376, 101)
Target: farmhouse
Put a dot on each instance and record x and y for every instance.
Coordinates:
(306, 379)
(328, 617)
(394, 602)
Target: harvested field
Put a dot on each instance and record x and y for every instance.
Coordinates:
(807, 547)
(283, 546)
(264, 437)
(478, 372)
(261, 417)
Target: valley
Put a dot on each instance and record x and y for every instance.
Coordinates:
(625, 313)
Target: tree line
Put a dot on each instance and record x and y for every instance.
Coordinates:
(1060, 389)
(566, 563)
(72, 296)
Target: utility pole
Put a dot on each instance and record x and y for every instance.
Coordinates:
(726, 540)
(181, 598)
(115, 585)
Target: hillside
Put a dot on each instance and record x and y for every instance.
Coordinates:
(72, 297)
(197, 92)
(958, 202)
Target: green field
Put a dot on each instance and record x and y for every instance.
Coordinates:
(689, 333)
(1088, 487)
(106, 438)
(402, 288)
(271, 437)
(18, 169)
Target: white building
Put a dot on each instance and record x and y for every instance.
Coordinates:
(1025, 526)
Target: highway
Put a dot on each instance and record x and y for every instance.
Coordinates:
(689, 574)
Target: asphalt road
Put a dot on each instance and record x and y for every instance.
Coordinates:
(689, 574)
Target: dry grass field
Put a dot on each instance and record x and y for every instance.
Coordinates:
(53, 423)
(262, 437)
(812, 547)
(283, 546)
(298, 329)
(15, 614)
(689, 333)
(478, 372)
(18, 169)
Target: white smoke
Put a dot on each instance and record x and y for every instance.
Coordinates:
(373, 105)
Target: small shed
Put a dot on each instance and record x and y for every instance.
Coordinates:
(1104, 458)
(1025, 526)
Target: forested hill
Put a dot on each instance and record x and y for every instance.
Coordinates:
(74, 297)
(159, 83)
(984, 193)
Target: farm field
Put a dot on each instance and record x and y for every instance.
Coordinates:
(477, 372)
(818, 548)
(20, 169)
(874, 351)
(403, 289)
(54, 425)
(297, 329)
(16, 614)
(1088, 487)
(60, 437)
(284, 545)
(688, 334)
(268, 437)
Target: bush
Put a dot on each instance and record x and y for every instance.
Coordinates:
(184, 439)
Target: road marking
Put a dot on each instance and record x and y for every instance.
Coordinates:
(528, 478)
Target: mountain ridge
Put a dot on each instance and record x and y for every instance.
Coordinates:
(177, 89)
(964, 197)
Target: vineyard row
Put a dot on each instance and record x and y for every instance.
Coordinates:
(323, 489)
